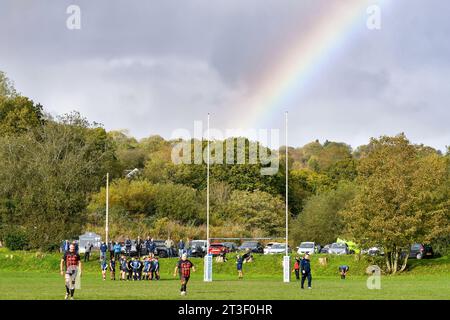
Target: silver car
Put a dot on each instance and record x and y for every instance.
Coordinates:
(339, 248)
(306, 247)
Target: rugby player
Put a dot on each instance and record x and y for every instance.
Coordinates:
(104, 267)
(123, 267)
(112, 268)
(146, 271)
(71, 261)
(185, 266)
(136, 266)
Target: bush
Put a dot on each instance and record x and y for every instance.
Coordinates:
(441, 247)
(16, 240)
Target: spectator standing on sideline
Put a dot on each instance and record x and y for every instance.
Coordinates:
(296, 269)
(305, 268)
(117, 251)
(147, 245)
(77, 248)
(103, 249)
(128, 247)
(87, 251)
(187, 247)
(169, 246)
(152, 246)
(138, 246)
(180, 248)
(111, 250)
(66, 246)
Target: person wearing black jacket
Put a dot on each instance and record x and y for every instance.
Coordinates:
(128, 247)
(130, 270)
(111, 249)
(305, 269)
(138, 246)
(147, 245)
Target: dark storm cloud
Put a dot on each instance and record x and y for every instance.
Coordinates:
(154, 66)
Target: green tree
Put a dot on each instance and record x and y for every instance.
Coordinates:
(46, 178)
(320, 220)
(257, 211)
(402, 199)
(19, 114)
(6, 86)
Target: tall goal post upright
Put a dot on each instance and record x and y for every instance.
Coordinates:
(207, 273)
(107, 209)
(286, 259)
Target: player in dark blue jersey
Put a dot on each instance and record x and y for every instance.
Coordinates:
(104, 267)
(130, 270)
(112, 268)
(123, 267)
(239, 263)
(343, 271)
(146, 270)
(136, 266)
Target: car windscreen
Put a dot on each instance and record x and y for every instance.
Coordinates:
(338, 245)
(307, 245)
(278, 246)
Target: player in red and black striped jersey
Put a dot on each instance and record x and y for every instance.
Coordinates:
(71, 262)
(184, 266)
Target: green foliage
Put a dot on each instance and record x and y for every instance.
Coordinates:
(18, 115)
(403, 198)
(6, 86)
(47, 175)
(16, 239)
(320, 158)
(320, 221)
(257, 211)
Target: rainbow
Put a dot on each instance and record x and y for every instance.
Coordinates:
(298, 62)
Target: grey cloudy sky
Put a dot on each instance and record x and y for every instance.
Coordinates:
(155, 66)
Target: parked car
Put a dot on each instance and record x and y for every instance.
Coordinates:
(339, 248)
(232, 247)
(162, 251)
(253, 246)
(420, 251)
(269, 246)
(216, 249)
(306, 247)
(375, 251)
(198, 248)
(325, 249)
(276, 248)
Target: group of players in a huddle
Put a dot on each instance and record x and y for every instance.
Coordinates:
(132, 269)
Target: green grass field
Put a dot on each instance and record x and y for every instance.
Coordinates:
(26, 275)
